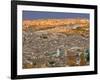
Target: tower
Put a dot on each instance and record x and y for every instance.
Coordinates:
(58, 52)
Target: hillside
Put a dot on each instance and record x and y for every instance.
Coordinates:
(49, 23)
(67, 26)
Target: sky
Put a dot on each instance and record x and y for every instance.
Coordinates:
(29, 15)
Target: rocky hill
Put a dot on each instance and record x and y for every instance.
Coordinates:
(50, 23)
(67, 26)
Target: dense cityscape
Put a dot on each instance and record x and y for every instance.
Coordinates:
(55, 43)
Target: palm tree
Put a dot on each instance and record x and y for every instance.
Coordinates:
(87, 55)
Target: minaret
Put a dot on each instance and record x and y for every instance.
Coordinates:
(65, 52)
(66, 56)
(58, 52)
(66, 48)
(78, 59)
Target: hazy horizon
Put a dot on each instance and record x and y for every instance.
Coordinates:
(30, 15)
